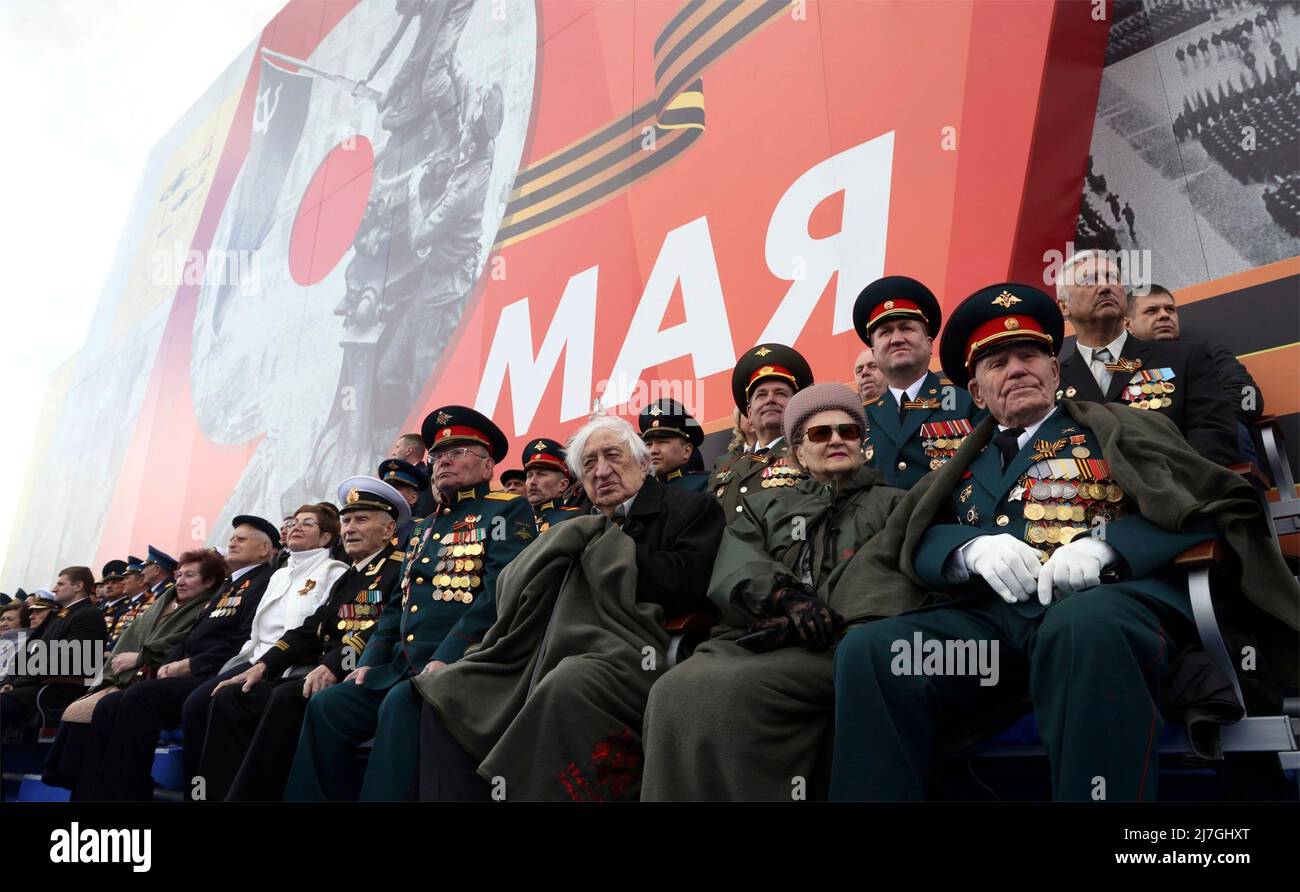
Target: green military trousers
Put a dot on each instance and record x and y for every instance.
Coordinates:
(341, 718)
(1090, 665)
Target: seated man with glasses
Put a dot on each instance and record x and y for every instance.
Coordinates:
(450, 564)
(748, 714)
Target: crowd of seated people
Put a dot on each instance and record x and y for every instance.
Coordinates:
(518, 645)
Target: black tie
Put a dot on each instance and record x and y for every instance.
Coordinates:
(902, 410)
(1007, 445)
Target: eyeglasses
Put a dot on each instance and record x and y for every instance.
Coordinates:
(453, 454)
(821, 433)
(307, 524)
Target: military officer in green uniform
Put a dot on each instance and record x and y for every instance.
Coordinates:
(761, 384)
(674, 438)
(919, 421)
(449, 570)
(547, 482)
(1050, 537)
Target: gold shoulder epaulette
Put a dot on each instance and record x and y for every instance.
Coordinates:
(502, 496)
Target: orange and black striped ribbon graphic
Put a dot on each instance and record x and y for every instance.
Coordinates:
(608, 160)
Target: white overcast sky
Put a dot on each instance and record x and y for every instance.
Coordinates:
(89, 87)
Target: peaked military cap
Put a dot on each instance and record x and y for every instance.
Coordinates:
(461, 426)
(373, 494)
(894, 297)
(113, 570)
(162, 560)
(261, 524)
(544, 454)
(765, 361)
(513, 474)
(394, 471)
(993, 316)
(668, 418)
(133, 565)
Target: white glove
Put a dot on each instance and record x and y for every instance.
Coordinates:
(1074, 566)
(1009, 565)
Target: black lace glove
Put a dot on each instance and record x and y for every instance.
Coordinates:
(812, 620)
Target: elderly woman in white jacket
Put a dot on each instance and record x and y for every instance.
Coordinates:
(292, 594)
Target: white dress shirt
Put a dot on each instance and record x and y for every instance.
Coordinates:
(1098, 369)
(911, 392)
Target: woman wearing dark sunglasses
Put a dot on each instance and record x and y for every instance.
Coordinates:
(754, 702)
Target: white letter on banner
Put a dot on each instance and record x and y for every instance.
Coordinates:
(686, 256)
(857, 251)
(573, 330)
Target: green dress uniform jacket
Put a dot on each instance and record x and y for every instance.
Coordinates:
(448, 583)
(737, 474)
(905, 451)
(1157, 497)
(734, 725)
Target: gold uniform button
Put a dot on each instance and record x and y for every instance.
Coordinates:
(419, 580)
(424, 560)
(1003, 520)
(744, 489)
(434, 536)
(446, 510)
(902, 466)
(410, 637)
(415, 608)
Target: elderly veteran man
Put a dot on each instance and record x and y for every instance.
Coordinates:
(1050, 535)
(256, 716)
(1178, 379)
(761, 384)
(113, 600)
(552, 703)
(136, 598)
(674, 437)
(448, 584)
(547, 482)
(748, 714)
(918, 421)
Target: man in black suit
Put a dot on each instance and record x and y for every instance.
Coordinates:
(256, 716)
(1175, 378)
(1154, 317)
(78, 626)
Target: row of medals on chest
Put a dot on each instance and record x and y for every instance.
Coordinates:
(1059, 511)
(459, 567)
(361, 613)
(1151, 395)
